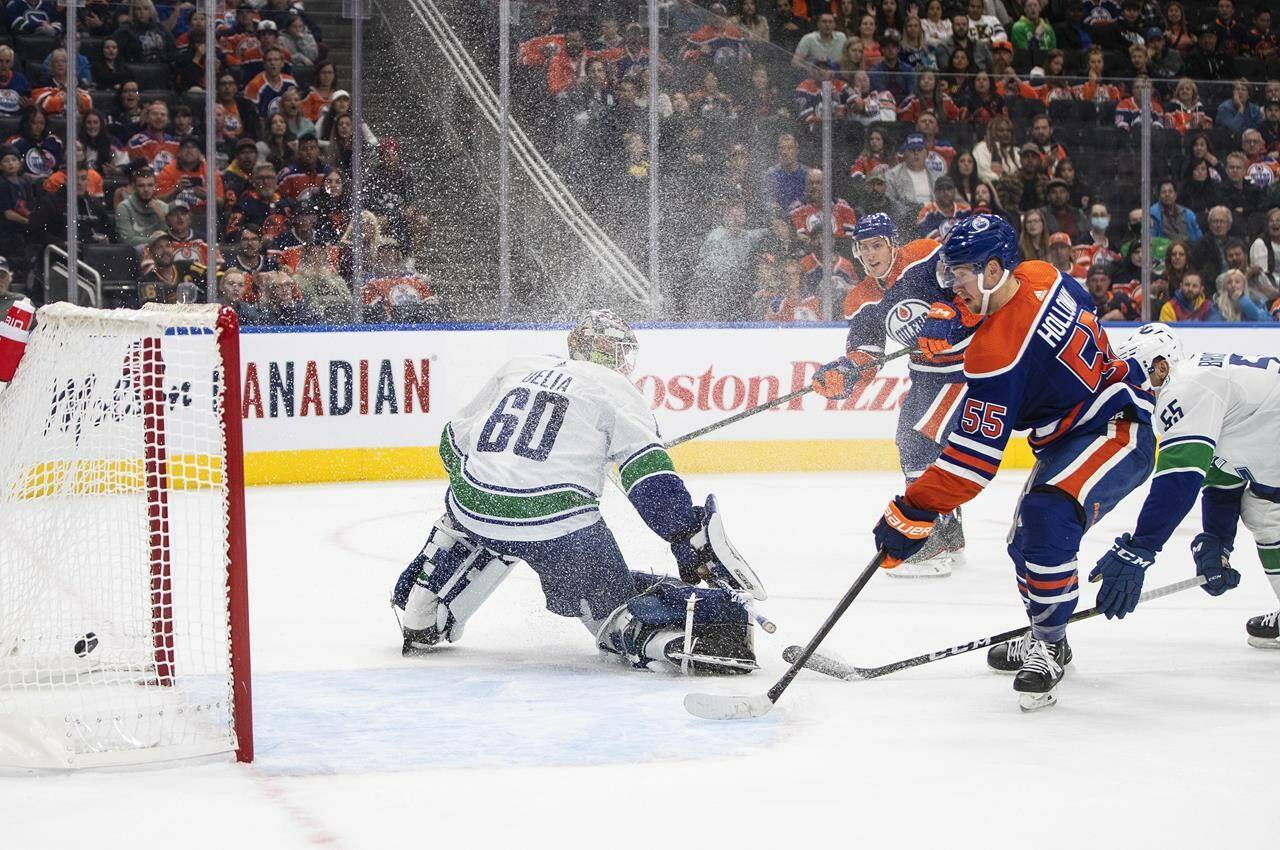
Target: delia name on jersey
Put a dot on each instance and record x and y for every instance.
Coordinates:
(549, 378)
(1059, 319)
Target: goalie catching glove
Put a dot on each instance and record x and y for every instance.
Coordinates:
(706, 554)
(841, 378)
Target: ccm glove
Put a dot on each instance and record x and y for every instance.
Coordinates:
(1121, 571)
(839, 379)
(1212, 562)
(902, 531)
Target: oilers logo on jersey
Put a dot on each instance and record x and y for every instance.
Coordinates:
(904, 322)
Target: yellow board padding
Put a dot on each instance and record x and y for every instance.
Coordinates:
(310, 466)
(114, 476)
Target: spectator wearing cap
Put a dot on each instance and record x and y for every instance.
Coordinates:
(302, 231)
(188, 239)
(1060, 253)
(265, 89)
(1109, 305)
(1059, 215)
(159, 281)
(142, 38)
(239, 173)
(1206, 61)
(1027, 187)
(1163, 63)
(306, 173)
(891, 73)
(910, 183)
(141, 213)
(1237, 113)
(1169, 219)
(185, 176)
(983, 28)
(241, 114)
(937, 217)
(1033, 30)
(823, 46)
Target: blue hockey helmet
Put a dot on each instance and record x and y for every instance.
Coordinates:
(975, 240)
(873, 225)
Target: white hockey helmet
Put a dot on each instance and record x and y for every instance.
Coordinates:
(1150, 343)
(605, 338)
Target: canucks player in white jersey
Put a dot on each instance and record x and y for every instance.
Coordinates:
(528, 459)
(1219, 419)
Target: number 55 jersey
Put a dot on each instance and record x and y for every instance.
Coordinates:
(528, 456)
(1041, 363)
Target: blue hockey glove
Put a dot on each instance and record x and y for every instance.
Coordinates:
(841, 378)
(1212, 562)
(902, 530)
(693, 551)
(1122, 570)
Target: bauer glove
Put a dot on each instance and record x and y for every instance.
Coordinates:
(902, 530)
(841, 378)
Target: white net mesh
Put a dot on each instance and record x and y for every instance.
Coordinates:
(114, 614)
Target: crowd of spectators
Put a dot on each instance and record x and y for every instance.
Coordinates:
(1029, 109)
(283, 142)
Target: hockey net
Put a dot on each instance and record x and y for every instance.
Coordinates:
(123, 607)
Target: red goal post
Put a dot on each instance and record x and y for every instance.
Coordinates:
(124, 630)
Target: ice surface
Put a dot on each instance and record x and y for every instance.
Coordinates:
(1165, 731)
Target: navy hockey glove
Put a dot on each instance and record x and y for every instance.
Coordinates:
(693, 551)
(1212, 563)
(1122, 570)
(841, 378)
(902, 530)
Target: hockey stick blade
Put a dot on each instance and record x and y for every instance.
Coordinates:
(847, 672)
(820, 663)
(728, 706)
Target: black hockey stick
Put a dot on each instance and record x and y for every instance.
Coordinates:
(775, 402)
(730, 707)
(849, 673)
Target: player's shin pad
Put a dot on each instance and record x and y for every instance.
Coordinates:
(447, 583)
(656, 629)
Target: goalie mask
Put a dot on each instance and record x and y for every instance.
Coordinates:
(603, 337)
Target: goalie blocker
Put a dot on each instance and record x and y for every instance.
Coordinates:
(651, 621)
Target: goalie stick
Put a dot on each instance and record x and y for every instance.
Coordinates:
(775, 402)
(838, 669)
(740, 707)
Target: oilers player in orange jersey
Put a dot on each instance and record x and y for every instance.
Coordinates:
(1039, 362)
(901, 303)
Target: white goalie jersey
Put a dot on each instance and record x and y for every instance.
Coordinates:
(527, 458)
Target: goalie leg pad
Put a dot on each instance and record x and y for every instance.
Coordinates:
(445, 585)
(650, 630)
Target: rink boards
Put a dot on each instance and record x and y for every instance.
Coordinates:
(368, 403)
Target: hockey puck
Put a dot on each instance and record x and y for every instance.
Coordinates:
(86, 644)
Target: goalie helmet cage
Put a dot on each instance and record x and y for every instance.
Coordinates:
(124, 629)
